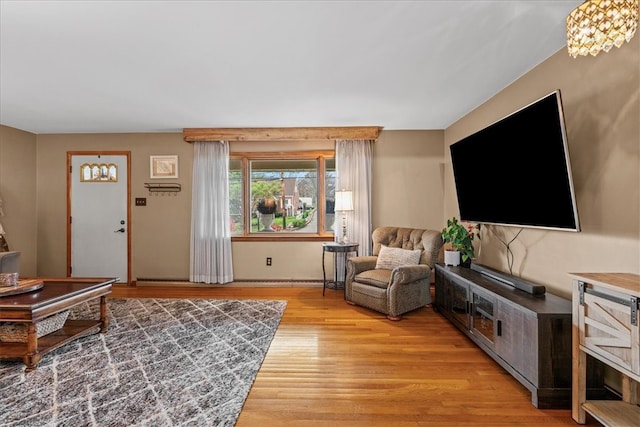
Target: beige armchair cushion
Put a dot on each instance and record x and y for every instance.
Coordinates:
(376, 277)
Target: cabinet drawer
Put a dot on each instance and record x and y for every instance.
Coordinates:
(608, 324)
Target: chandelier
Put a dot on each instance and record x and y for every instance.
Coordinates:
(598, 25)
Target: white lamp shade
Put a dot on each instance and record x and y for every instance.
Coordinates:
(344, 200)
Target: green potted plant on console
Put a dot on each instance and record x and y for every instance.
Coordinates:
(458, 239)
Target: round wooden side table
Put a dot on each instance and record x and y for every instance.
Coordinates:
(338, 249)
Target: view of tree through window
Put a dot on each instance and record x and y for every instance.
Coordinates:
(283, 195)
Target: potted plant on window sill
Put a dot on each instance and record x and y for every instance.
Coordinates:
(458, 240)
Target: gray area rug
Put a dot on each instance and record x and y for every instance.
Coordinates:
(163, 362)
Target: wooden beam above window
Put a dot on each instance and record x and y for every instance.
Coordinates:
(280, 134)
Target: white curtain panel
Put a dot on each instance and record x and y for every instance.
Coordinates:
(353, 170)
(210, 220)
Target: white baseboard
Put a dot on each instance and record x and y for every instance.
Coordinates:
(236, 284)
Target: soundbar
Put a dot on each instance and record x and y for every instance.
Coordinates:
(510, 280)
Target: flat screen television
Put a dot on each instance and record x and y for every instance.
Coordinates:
(516, 171)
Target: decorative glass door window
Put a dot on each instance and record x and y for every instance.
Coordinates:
(98, 172)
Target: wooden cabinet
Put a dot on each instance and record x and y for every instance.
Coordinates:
(529, 335)
(517, 337)
(605, 327)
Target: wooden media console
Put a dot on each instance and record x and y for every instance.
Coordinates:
(525, 329)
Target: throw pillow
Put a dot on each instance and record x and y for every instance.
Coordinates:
(390, 258)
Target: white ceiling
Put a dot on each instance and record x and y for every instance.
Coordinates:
(160, 66)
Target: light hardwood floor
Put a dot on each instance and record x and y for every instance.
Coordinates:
(333, 364)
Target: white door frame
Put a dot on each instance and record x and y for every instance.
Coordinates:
(70, 154)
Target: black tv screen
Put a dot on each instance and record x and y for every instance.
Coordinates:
(516, 171)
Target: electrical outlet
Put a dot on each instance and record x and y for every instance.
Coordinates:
(141, 201)
(269, 261)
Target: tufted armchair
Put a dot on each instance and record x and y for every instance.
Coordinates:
(396, 279)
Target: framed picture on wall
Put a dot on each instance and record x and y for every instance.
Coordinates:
(163, 166)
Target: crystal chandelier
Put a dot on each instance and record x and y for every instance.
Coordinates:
(598, 25)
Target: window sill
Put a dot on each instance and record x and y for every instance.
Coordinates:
(284, 237)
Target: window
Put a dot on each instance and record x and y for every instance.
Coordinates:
(282, 196)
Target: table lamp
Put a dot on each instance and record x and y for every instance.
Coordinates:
(344, 204)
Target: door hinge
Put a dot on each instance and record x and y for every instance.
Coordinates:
(70, 169)
(70, 220)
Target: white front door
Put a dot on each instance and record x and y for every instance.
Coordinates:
(99, 220)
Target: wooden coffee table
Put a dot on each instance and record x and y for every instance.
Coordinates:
(55, 296)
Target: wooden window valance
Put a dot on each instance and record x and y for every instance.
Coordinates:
(281, 134)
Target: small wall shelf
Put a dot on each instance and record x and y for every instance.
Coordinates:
(163, 188)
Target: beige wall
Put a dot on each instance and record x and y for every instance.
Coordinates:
(408, 183)
(18, 171)
(601, 97)
(160, 231)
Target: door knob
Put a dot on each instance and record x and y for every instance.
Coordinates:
(120, 230)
